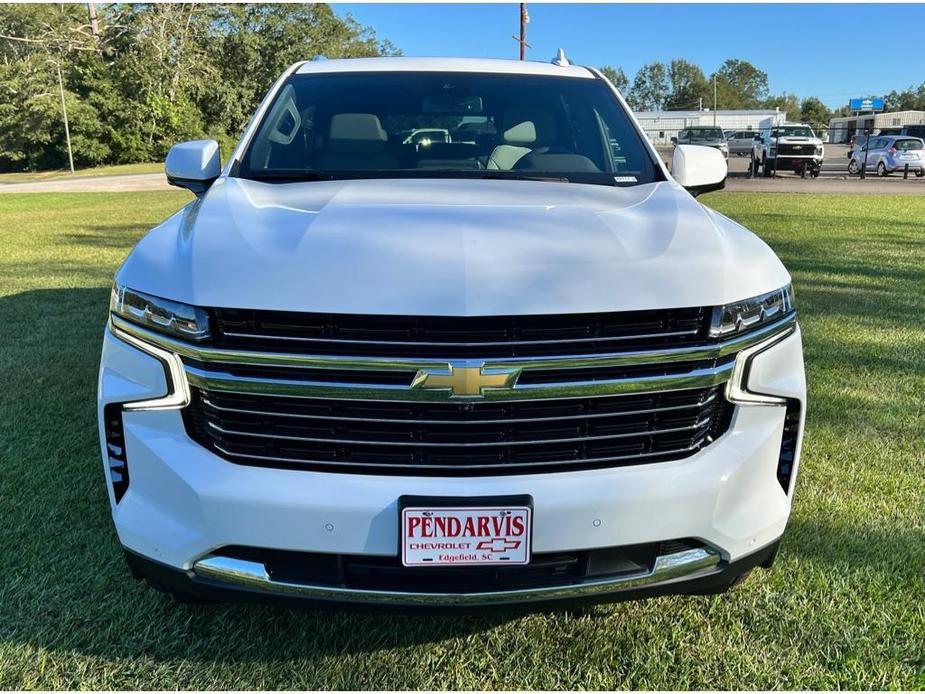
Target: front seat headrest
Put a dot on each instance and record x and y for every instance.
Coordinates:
(356, 133)
(528, 126)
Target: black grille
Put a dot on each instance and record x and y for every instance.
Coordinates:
(800, 150)
(457, 337)
(449, 438)
(359, 572)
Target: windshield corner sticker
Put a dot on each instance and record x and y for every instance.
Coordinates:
(624, 179)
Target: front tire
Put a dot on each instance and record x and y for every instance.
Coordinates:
(766, 168)
(854, 168)
(881, 170)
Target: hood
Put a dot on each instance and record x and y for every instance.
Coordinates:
(449, 247)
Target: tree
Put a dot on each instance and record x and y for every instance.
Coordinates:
(814, 112)
(741, 83)
(911, 99)
(617, 77)
(259, 41)
(153, 75)
(38, 41)
(650, 88)
(788, 104)
(688, 85)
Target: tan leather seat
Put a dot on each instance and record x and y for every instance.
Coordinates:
(356, 141)
(526, 128)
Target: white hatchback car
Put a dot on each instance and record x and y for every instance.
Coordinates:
(522, 365)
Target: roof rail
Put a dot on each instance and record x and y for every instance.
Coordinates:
(560, 59)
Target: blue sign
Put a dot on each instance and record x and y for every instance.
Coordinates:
(873, 103)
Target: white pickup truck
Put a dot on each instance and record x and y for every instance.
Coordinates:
(520, 365)
(788, 147)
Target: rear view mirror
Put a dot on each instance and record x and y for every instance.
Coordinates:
(453, 105)
(699, 169)
(193, 165)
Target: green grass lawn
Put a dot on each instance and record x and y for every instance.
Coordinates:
(844, 607)
(112, 170)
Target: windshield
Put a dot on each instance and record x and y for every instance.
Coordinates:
(795, 131)
(906, 145)
(701, 134)
(432, 124)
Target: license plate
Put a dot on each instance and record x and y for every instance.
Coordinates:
(463, 536)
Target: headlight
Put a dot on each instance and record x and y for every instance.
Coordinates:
(165, 316)
(743, 316)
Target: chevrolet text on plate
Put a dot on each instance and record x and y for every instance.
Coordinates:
(447, 332)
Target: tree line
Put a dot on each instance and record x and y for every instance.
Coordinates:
(682, 85)
(138, 77)
(135, 78)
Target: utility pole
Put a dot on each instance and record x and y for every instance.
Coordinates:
(524, 20)
(714, 98)
(67, 130)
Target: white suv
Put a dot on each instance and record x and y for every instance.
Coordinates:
(519, 365)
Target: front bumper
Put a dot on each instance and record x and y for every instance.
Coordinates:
(184, 503)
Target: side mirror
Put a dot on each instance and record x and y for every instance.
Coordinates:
(699, 169)
(193, 165)
(674, 140)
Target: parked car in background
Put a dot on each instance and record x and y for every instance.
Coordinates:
(705, 136)
(889, 154)
(425, 136)
(740, 142)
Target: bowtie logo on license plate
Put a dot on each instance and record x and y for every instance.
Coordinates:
(498, 544)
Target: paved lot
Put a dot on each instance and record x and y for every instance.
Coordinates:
(833, 179)
(85, 184)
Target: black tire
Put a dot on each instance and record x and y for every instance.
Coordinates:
(881, 170)
(766, 168)
(854, 168)
(919, 173)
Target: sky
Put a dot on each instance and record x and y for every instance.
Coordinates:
(821, 51)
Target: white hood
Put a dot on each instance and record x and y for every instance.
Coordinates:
(449, 247)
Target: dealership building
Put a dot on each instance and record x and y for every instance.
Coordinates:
(661, 126)
(842, 129)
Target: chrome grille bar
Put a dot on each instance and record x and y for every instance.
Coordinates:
(456, 422)
(227, 382)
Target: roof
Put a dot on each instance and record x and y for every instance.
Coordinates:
(698, 114)
(403, 64)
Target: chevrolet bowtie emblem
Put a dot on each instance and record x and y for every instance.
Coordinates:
(465, 381)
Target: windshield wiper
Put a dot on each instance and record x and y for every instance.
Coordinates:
(586, 177)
